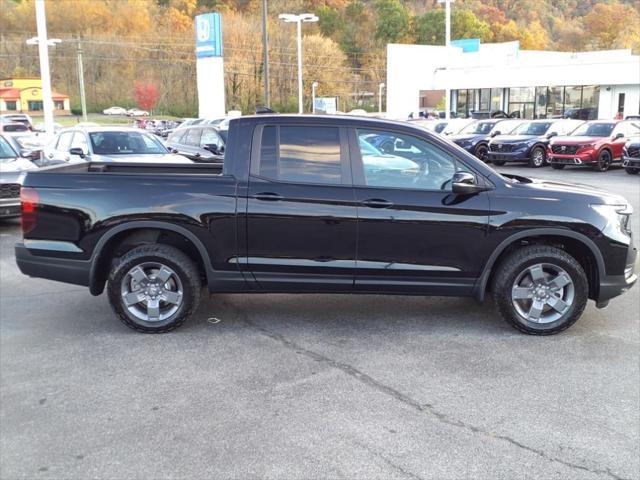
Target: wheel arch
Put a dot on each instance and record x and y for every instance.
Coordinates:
(578, 245)
(142, 232)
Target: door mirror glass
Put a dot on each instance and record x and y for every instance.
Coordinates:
(464, 182)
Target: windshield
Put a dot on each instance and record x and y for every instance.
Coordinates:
(532, 128)
(125, 143)
(6, 151)
(367, 149)
(479, 128)
(595, 129)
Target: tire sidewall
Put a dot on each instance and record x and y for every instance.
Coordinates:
(478, 153)
(543, 161)
(115, 297)
(600, 165)
(580, 296)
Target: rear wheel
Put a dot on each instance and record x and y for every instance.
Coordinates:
(482, 152)
(154, 288)
(557, 166)
(604, 161)
(540, 290)
(538, 157)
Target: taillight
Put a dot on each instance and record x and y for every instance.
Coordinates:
(29, 202)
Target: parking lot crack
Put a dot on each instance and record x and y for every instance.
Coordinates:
(392, 464)
(411, 402)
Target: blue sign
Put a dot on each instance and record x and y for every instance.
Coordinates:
(208, 35)
(467, 44)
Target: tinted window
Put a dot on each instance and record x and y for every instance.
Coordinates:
(304, 154)
(595, 129)
(125, 143)
(532, 128)
(192, 137)
(64, 141)
(402, 161)
(177, 136)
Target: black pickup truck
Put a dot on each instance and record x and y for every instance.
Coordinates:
(311, 204)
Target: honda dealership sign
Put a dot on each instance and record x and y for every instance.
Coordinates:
(210, 65)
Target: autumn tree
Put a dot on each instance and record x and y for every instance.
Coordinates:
(429, 28)
(392, 23)
(146, 94)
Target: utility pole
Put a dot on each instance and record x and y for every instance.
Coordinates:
(265, 54)
(83, 101)
(45, 76)
(380, 87)
(447, 42)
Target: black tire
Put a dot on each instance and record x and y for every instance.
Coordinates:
(604, 161)
(181, 265)
(499, 163)
(513, 267)
(537, 158)
(631, 171)
(482, 152)
(558, 166)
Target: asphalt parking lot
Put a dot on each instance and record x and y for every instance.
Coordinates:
(290, 387)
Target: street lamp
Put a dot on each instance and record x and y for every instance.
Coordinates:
(314, 85)
(380, 87)
(447, 40)
(298, 19)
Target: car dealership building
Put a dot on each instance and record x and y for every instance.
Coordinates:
(501, 76)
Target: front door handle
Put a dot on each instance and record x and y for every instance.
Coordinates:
(267, 196)
(377, 203)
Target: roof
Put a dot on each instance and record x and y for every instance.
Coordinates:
(10, 93)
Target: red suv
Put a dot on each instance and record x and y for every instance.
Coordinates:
(598, 144)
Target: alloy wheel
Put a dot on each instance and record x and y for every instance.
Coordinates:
(152, 292)
(542, 293)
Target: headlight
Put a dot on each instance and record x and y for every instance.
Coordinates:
(617, 215)
(586, 145)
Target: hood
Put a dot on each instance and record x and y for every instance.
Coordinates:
(555, 189)
(466, 137)
(147, 158)
(513, 138)
(18, 164)
(576, 140)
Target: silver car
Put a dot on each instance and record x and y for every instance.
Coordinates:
(108, 144)
(12, 170)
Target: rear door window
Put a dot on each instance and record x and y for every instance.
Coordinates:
(64, 141)
(209, 137)
(301, 154)
(192, 138)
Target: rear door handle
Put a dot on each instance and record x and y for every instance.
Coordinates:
(267, 196)
(377, 203)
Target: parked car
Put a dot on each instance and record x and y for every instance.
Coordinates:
(200, 143)
(631, 156)
(28, 145)
(115, 111)
(18, 118)
(303, 206)
(39, 127)
(475, 137)
(136, 112)
(528, 142)
(12, 170)
(11, 127)
(581, 113)
(481, 114)
(597, 144)
(108, 144)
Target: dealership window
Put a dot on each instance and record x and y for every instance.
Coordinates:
(522, 102)
(58, 104)
(35, 105)
(496, 99)
(485, 98)
(572, 101)
(590, 102)
(11, 105)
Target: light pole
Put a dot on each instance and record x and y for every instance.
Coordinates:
(380, 87)
(298, 19)
(314, 85)
(43, 52)
(447, 42)
(265, 54)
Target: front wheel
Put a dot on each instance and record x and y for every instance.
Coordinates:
(154, 288)
(540, 290)
(482, 152)
(604, 161)
(538, 157)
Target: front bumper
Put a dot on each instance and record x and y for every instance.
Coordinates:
(613, 285)
(517, 156)
(630, 162)
(570, 159)
(9, 207)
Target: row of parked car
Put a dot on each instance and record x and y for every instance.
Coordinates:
(563, 142)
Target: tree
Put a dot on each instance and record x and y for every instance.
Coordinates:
(430, 28)
(604, 23)
(392, 23)
(146, 95)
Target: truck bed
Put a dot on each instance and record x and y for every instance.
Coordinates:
(134, 167)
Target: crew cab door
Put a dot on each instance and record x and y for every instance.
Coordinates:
(301, 213)
(414, 234)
